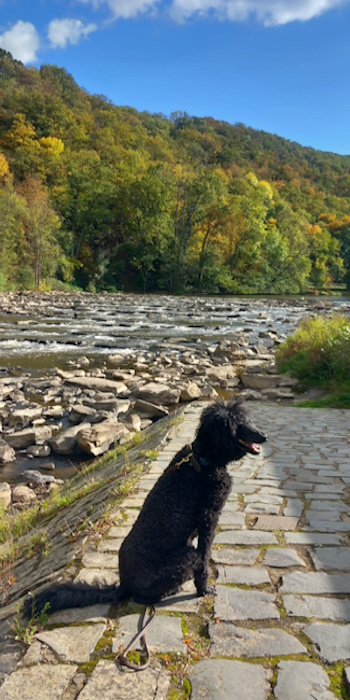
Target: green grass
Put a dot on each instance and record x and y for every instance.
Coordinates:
(318, 354)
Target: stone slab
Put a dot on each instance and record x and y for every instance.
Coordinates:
(229, 640)
(283, 557)
(97, 577)
(302, 680)
(164, 635)
(331, 640)
(317, 538)
(110, 682)
(232, 520)
(45, 682)
(246, 537)
(237, 604)
(331, 558)
(262, 508)
(218, 679)
(243, 575)
(186, 601)
(100, 560)
(73, 644)
(92, 613)
(276, 522)
(235, 557)
(329, 525)
(300, 582)
(317, 607)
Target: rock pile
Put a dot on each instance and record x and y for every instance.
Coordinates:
(87, 410)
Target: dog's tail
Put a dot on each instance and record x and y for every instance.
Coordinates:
(70, 595)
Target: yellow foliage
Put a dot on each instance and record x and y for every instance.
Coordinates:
(4, 168)
(51, 146)
(314, 229)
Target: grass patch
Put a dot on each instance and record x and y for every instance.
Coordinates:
(318, 354)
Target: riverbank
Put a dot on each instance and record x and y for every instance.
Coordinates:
(148, 354)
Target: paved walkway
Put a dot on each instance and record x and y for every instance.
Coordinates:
(279, 624)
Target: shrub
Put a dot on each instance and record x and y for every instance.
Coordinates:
(318, 350)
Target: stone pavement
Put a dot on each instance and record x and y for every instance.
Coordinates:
(279, 623)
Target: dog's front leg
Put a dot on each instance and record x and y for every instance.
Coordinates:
(206, 533)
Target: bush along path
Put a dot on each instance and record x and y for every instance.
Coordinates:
(279, 623)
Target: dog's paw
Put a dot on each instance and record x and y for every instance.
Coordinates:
(209, 590)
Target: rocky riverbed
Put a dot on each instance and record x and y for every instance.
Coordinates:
(81, 373)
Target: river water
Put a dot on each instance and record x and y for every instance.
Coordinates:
(45, 330)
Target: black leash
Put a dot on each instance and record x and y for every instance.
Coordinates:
(122, 658)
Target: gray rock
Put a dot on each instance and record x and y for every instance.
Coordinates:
(7, 453)
(29, 436)
(190, 392)
(66, 442)
(332, 641)
(109, 682)
(97, 577)
(22, 417)
(46, 682)
(300, 582)
(73, 644)
(23, 494)
(79, 413)
(97, 439)
(317, 538)
(149, 410)
(276, 522)
(164, 635)
(33, 476)
(218, 679)
(259, 381)
(159, 394)
(245, 537)
(38, 451)
(236, 604)
(282, 558)
(99, 384)
(5, 494)
(229, 640)
(336, 558)
(100, 560)
(302, 680)
(243, 575)
(235, 557)
(314, 606)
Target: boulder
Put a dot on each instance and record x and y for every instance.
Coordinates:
(99, 384)
(222, 373)
(38, 450)
(22, 417)
(190, 392)
(79, 413)
(259, 381)
(33, 476)
(97, 439)
(159, 394)
(5, 494)
(23, 494)
(66, 442)
(21, 439)
(146, 409)
(7, 453)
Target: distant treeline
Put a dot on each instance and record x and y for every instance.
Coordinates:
(104, 197)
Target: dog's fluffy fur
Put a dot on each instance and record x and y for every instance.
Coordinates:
(158, 556)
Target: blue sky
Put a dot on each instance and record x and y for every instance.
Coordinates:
(282, 66)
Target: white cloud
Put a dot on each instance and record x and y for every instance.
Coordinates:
(124, 9)
(22, 40)
(68, 31)
(269, 12)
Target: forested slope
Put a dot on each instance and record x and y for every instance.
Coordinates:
(105, 197)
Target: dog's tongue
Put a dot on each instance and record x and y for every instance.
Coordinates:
(255, 448)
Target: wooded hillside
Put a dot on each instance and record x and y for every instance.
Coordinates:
(105, 197)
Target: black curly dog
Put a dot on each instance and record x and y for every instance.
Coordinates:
(157, 556)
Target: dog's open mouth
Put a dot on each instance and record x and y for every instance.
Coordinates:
(252, 447)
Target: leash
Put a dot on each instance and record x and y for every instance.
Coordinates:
(122, 658)
(188, 458)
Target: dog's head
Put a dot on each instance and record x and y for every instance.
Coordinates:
(226, 433)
